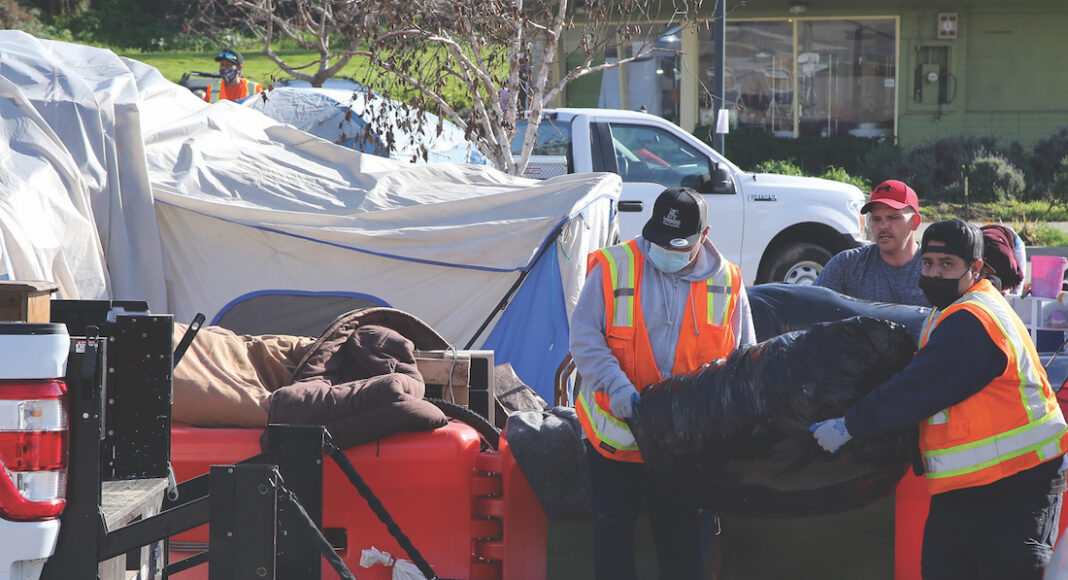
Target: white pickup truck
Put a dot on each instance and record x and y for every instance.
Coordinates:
(776, 228)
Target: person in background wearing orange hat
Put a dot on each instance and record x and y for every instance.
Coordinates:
(233, 86)
(887, 270)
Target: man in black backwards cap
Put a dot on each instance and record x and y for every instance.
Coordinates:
(661, 304)
(233, 86)
(991, 432)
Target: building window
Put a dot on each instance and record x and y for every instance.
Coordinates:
(806, 76)
(629, 86)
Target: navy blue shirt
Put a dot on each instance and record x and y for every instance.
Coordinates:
(958, 360)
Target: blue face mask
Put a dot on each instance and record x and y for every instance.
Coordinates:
(667, 260)
(229, 75)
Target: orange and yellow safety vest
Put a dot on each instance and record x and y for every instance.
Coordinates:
(219, 90)
(1011, 425)
(625, 333)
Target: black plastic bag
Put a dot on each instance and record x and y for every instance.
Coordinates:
(781, 308)
(734, 437)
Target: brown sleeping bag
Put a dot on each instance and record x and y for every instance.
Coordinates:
(359, 378)
(224, 379)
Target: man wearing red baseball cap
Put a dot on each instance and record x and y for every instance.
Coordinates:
(889, 269)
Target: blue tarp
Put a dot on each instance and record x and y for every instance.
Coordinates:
(533, 330)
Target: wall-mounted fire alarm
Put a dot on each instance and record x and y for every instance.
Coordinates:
(947, 26)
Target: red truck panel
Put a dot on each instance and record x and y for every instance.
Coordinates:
(468, 513)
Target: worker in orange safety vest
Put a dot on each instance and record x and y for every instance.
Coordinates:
(662, 304)
(233, 86)
(992, 434)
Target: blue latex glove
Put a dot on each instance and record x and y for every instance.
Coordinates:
(623, 401)
(831, 434)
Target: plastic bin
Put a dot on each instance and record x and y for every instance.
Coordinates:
(1047, 275)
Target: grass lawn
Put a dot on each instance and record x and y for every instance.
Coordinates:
(258, 67)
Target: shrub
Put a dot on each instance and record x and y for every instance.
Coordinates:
(839, 174)
(15, 16)
(749, 147)
(993, 179)
(1058, 188)
(881, 163)
(779, 167)
(933, 167)
(1046, 158)
(1047, 235)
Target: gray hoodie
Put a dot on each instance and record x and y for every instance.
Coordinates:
(663, 306)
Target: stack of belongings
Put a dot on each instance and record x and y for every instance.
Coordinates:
(734, 437)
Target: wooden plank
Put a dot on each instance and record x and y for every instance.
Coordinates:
(127, 500)
(124, 502)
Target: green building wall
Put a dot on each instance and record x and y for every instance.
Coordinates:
(1006, 72)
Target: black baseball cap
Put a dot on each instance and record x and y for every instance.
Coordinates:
(230, 55)
(679, 217)
(955, 237)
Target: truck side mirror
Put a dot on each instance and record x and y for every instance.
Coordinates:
(718, 182)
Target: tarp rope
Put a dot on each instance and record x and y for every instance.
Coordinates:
(342, 461)
(320, 541)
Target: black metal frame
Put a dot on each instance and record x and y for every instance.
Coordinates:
(119, 385)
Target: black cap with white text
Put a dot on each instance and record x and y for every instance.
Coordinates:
(679, 218)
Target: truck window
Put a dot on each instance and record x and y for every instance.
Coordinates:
(652, 154)
(554, 138)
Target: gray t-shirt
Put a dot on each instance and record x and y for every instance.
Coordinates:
(862, 273)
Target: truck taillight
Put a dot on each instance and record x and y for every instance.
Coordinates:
(33, 448)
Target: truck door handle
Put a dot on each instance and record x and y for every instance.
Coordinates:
(629, 206)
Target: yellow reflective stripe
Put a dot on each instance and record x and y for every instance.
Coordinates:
(979, 455)
(608, 428)
(719, 286)
(1032, 395)
(612, 275)
(628, 283)
(929, 324)
(621, 267)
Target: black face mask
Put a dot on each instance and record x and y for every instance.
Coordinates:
(941, 292)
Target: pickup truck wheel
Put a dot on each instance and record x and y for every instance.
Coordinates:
(798, 263)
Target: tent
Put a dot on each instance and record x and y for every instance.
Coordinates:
(365, 121)
(120, 184)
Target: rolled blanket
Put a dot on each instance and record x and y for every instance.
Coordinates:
(734, 436)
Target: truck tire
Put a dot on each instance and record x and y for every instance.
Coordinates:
(797, 263)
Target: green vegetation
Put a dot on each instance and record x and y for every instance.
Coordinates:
(172, 64)
(830, 172)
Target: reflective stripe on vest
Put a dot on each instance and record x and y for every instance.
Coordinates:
(1043, 426)
(609, 428)
(720, 297)
(621, 265)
